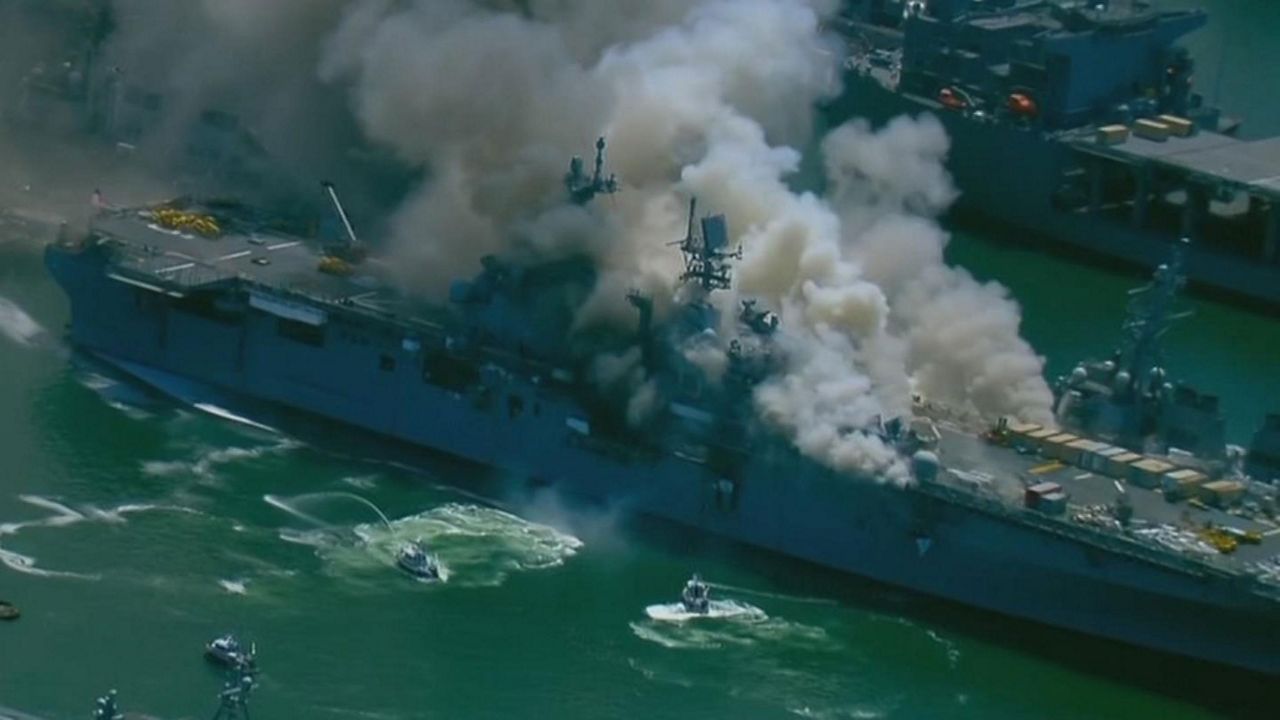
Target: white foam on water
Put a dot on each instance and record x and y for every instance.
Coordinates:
(717, 609)
(235, 587)
(950, 649)
(27, 564)
(728, 623)
(475, 545)
(65, 516)
(362, 482)
(17, 325)
(851, 713)
(312, 538)
(118, 394)
(116, 515)
(209, 459)
(224, 414)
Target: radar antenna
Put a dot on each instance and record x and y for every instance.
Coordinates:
(706, 261)
(1151, 312)
(583, 189)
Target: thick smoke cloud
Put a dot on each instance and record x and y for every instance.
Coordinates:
(702, 97)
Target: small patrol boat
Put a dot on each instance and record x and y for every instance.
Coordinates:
(696, 596)
(416, 561)
(228, 651)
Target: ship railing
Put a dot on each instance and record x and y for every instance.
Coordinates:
(1119, 544)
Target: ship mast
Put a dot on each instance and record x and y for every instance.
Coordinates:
(1150, 314)
(583, 189)
(706, 260)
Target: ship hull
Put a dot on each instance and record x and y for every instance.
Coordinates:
(779, 501)
(1008, 176)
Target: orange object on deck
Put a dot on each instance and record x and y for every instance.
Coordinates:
(1022, 104)
(952, 99)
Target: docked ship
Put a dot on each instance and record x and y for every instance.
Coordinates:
(1127, 522)
(1075, 122)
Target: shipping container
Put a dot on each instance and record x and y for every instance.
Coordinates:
(1100, 459)
(1180, 484)
(1036, 493)
(1178, 126)
(1222, 493)
(1151, 130)
(1056, 446)
(1111, 134)
(1081, 453)
(1148, 472)
(1036, 438)
(1120, 465)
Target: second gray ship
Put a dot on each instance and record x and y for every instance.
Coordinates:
(1076, 121)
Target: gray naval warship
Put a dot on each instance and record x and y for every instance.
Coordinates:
(1131, 521)
(1074, 121)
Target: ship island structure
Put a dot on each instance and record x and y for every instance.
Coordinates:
(1131, 519)
(1076, 122)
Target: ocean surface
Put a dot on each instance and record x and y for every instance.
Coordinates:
(133, 531)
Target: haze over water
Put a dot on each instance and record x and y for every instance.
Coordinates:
(132, 532)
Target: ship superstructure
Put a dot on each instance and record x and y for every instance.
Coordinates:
(1128, 399)
(1076, 122)
(1022, 520)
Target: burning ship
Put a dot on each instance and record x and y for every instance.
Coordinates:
(1130, 520)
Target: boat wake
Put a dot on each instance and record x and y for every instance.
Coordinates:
(64, 515)
(235, 587)
(17, 325)
(776, 661)
(476, 545)
(209, 459)
(27, 564)
(121, 395)
(717, 609)
(729, 623)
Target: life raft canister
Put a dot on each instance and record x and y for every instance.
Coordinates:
(1022, 104)
(952, 99)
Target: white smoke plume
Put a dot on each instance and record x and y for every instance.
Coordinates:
(700, 97)
(963, 346)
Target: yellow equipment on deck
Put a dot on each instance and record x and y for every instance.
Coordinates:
(335, 266)
(1219, 539)
(175, 219)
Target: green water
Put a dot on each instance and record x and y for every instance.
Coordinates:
(152, 529)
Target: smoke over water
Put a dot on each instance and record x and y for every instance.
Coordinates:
(702, 97)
